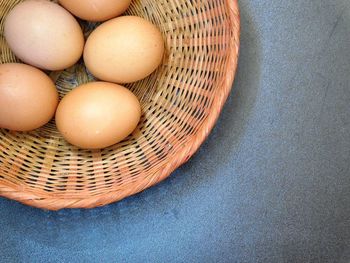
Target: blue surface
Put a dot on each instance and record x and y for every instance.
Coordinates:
(271, 184)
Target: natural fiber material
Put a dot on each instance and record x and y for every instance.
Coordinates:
(181, 102)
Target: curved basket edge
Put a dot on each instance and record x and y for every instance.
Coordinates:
(24, 196)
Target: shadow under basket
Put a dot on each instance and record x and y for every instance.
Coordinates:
(181, 102)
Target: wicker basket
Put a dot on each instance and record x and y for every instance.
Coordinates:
(181, 103)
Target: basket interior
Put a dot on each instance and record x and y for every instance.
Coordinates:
(175, 100)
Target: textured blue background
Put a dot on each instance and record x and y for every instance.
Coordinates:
(271, 184)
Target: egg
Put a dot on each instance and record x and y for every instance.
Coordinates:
(97, 115)
(44, 34)
(124, 50)
(96, 10)
(28, 97)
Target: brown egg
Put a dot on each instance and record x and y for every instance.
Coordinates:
(96, 10)
(28, 97)
(97, 115)
(123, 50)
(44, 34)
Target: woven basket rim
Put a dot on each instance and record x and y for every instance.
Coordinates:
(29, 197)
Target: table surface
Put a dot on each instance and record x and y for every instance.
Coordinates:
(272, 182)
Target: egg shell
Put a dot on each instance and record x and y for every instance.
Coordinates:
(97, 115)
(96, 10)
(44, 34)
(28, 97)
(124, 50)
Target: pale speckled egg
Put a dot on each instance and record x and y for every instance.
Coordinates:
(28, 97)
(124, 50)
(44, 34)
(97, 115)
(96, 10)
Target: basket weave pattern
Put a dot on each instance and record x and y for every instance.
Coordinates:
(181, 102)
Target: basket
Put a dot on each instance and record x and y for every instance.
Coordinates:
(181, 102)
